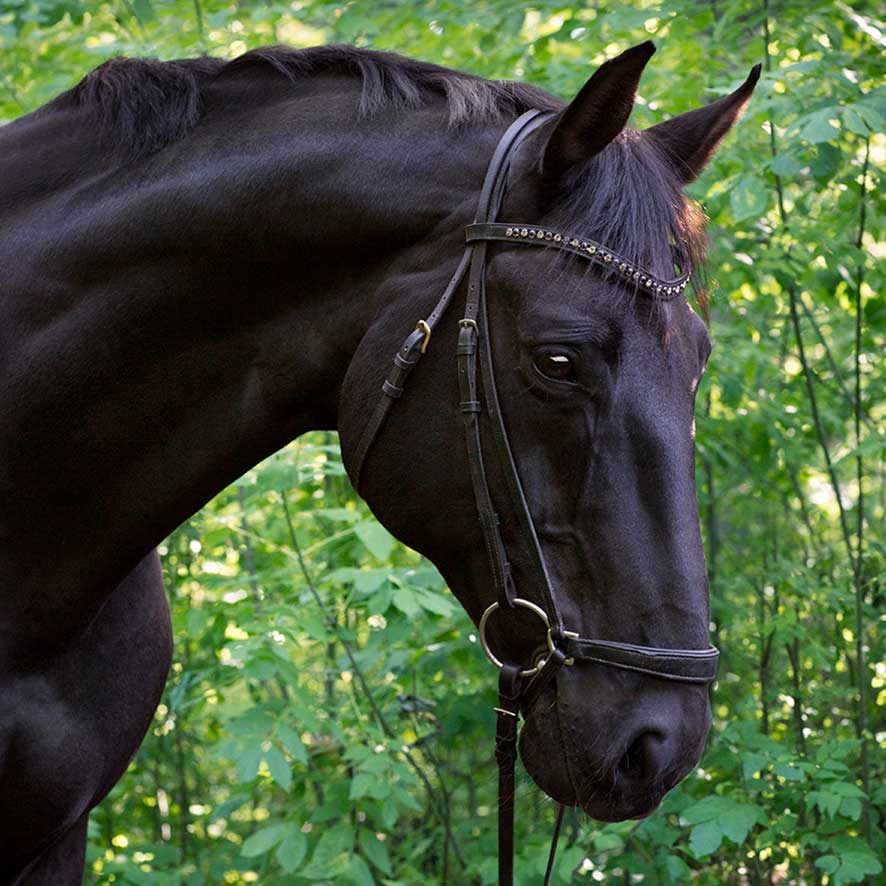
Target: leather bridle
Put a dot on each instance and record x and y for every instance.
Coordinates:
(520, 685)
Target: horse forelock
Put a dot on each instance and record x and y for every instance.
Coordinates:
(631, 198)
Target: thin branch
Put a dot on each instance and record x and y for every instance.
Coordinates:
(198, 12)
(859, 473)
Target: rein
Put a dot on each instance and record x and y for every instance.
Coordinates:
(521, 685)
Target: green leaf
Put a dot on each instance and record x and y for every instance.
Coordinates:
(748, 198)
(380, 601)
(292, 742)
(751, 764)
(332, 843)
(143, 10)
(436, 603)
(705, 838)
(378, 541)
(707, 809)
(677, 869)
(818, 127)
(263, 841)
(361, 784)
(406, 601)
(737, 821)
(828, 863)
(826, 163)
(851, 808)
(390, 813)
(359, 872)
(278, 767)
(789, 772)
(856, 860)
(375, 850)
(291, 852)
(874, 119)
(845, 789)
(786, 164)
(248, 763)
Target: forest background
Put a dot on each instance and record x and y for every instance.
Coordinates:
(328, 717)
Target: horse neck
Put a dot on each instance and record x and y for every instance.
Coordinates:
(174, 320)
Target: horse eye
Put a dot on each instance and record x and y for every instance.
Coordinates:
(557, 367)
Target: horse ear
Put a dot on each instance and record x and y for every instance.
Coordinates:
(598, 113)
(689, 140)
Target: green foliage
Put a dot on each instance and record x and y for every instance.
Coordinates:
(268, 762)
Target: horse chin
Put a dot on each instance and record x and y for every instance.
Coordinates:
(544, 755)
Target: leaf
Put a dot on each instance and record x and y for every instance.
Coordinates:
(375, 850)
(789, 772)
(677, 869)
(143, 10)
(361, 784)
(705, 838)
(389, 813)
(406, 601)
(818, 127)
(334, 842)
(826, 163)
(359, 872)
(707, 809)
(874, 119)
(436, 603)
(248, 763)
(291, 852)
(737, 821)
(262, 841)
(291, 740)
(786, 164)
(748, 198)
(828, 863)
(378, 541)
(380, 601)
(278, 767)
(751, 764)
(845, 789)
(856, 860)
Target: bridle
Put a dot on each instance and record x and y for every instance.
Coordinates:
(520, 685)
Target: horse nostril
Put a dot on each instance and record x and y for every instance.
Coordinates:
(645, 758)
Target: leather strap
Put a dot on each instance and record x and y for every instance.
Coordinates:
(554, 838)
(681, 665)
(405, 360)
(509, 690)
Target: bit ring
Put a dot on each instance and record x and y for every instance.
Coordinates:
(525, 604)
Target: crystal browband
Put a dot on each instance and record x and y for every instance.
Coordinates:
(587, 249)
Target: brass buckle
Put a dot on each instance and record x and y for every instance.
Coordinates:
(525, 604)
(422, 326)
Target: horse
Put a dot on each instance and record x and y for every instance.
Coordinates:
(204, 259)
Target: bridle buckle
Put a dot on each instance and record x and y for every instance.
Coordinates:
(422, 326)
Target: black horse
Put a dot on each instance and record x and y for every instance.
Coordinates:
(203, 260)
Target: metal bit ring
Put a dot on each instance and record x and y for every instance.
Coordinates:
(532, 607)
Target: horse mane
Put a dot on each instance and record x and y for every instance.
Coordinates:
(629, 196)
(144, 104)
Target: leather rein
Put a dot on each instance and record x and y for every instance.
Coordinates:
(519, 684)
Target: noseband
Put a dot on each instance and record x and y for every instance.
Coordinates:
(521, 684)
